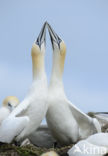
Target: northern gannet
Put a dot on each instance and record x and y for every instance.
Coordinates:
(67, 123)
(42, 137)
(102, 117)
(27, 117)
(8, 105)
(94, 145)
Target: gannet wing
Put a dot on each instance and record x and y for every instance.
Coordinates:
(21, 108)
(4, 112)
(84, 148)
(94, 145)
(79, 115)
(11, 127)
(100, 139)
(87, 125)
(102, 117)
(42, 137)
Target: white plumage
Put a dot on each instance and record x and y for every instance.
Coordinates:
(27, 117)
(95, 145)
(67, 123)
(102, 117)
(4, 112)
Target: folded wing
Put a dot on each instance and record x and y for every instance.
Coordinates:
(13, 125)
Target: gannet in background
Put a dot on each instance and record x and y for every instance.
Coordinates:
(95, 145)
(27, 117)
(8, 105)
(42, 137)
(51, 153)
(66, 122)
(102, 117)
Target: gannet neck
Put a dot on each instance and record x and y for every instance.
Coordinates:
(58, 62)
(37, 62)
(59, 52)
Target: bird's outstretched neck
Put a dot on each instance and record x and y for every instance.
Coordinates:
(38, 52)
(59, 52)
(37, 62)
(58, 65)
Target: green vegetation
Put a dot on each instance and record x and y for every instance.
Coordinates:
(29, 150)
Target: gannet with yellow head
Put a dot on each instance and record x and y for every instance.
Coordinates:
(67, 123)
(27, 117)
(8, 105)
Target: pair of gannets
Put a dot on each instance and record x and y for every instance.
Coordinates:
(8, 105)
(66, 122)
(95, 145)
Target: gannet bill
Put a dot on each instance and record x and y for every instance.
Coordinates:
(8, 105)
(95, 145)
(67, 123)
(27, 117)
(42, 137)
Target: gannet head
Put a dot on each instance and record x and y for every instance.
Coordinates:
(51, 153)
(10, 102)
(58, 45)
(39, 44)
(38, 50)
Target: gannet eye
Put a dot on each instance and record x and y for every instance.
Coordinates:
(9, 104)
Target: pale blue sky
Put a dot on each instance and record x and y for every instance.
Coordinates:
(82, 24)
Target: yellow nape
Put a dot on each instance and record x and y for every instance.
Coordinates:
(51, 153)
(11, 99)
(35, 50)
(62, 48)
(62, 55)
(37, 59)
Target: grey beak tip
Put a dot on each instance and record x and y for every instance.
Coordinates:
(46, 22)
(54, 37)
(42, 35)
